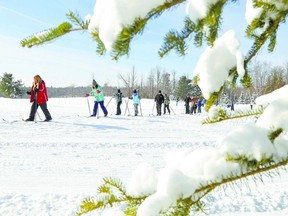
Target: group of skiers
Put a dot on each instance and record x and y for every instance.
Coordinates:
(97, 92)
(193, 105)
(39, 97)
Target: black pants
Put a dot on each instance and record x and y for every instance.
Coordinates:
(187, 108)
(118, 111)
(34, 108)
(158, 107)
(166, 106)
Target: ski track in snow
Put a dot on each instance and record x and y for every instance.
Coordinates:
(47, 168)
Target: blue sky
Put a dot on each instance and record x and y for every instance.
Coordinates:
(72, 60)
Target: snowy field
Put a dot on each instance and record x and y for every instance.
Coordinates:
(48, 168)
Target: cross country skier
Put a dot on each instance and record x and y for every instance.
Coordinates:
(97, 92)
(159, 99)
(38, 97)
(136, 100)
(118, 99)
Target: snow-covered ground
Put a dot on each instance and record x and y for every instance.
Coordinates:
(46, 169)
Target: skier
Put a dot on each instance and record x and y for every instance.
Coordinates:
(97, 92)
(38, 97)
(199, 104)
(166, 103)
(187, 101)
(118, 99)
(136, 100)
(193, 105)
(159, 99)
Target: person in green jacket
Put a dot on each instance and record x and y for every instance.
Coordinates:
(97, 92)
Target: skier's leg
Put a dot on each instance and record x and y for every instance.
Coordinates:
(46, 112)
(136, 109)
(118, 112)
(95, 108)
(33, 110)
(103, 108)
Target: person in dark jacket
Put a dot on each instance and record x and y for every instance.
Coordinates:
(159, 99)
(38, 97)
(187, 106)
(118, 99)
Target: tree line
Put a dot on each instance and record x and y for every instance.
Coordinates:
(265, 78)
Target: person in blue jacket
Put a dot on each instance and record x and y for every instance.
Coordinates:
(136, 101)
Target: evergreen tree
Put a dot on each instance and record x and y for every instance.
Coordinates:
(196, 91)
(184, 87)
(10, 87)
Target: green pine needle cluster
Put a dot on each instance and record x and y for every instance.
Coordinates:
(224, 115)
(110, 194)
(57, 32)
(270, 31)
(179, 40)
(47, 35)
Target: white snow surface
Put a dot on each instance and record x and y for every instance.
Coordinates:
(48, 168)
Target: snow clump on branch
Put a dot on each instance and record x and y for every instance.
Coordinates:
(215, 63)
(110, 16)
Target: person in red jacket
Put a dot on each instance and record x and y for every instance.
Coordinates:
(38, 97)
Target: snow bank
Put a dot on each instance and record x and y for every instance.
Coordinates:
(214, 64)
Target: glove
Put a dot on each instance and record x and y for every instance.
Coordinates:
(98, 91)
(36, 90)
(87, 95)
(28, 93)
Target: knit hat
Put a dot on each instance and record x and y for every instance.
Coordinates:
(134, 91)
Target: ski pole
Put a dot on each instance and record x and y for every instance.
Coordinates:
(140, 107)
(172, 110)
(88, 106)
(153, 108)
(35, 106)
(126, 103)
(128, 107)
(38, 115)
(109, 102)
(98, 112)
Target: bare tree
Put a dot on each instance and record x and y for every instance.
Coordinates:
(259, 72)
(166, 83)
(151, 85)
(129, 80)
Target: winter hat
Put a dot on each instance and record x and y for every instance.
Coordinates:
(118, 90)
(159, 91)
(134, 91)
